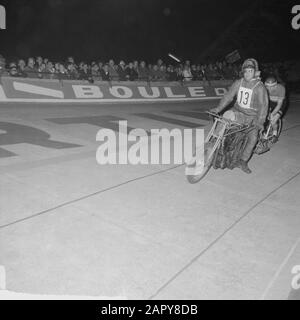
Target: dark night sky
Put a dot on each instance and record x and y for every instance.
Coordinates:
(149, 29)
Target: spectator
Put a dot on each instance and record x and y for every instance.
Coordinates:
(213, 72)
(21, 68)
(136, 66)
(50, 72)
(187, 74)
(162, 75)
(2, 66)
(30, 70)
(187, 63)
(41, 70)
(154, 73)
(39, 61)
(105, 73)
(195, 73)
(13, 71)
(71, 60)
(210, 72)
(143, 71)
(159, 63)
(112, 70)
(72, 71)
(95, 72)
(84, 73)
(100, 65)
(56, 66)
(131, 74)
(179, 72)
(201, 72)
(80, 67)
(171, 73)
(122, 71)
(219, 70)
(62, 72)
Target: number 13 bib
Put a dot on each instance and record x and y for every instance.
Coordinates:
(244, 97)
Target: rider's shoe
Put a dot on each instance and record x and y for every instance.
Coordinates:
(244, 166)
(274, 139)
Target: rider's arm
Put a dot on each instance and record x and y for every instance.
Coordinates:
(263, 102)
(278, 107)
(228, 96)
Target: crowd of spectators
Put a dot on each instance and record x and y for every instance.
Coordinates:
(108, 71)
(44, 68)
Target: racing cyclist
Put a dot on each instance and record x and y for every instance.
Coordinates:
(276, 103)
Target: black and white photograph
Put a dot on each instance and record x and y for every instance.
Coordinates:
(149, 150)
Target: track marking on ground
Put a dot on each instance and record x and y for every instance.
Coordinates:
(117, 186)
(277, 273)
(193, 260)
(144, 177)
(86, 197)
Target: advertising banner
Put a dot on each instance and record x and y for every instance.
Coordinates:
(21, 89)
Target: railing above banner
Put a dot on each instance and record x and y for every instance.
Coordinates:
(36, 74)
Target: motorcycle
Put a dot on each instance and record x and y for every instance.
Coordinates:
(224, 145)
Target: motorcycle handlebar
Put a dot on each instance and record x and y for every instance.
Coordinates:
(232, 122)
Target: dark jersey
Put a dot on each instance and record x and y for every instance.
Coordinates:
(251, 99)
(276, 94)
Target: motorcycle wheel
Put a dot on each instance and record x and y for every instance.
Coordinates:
(192, 172)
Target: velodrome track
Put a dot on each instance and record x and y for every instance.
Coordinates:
(69, 226)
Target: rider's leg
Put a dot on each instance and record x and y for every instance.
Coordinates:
(274, 118)
(275, 128)
(251, 143)
(243, 119)
(248, 151)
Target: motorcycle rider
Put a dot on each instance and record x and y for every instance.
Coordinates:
(250, 106)
(277, 102)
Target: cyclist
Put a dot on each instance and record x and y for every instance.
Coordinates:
(276, 103)
(250, 107)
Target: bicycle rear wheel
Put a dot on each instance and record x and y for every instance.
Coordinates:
(279, 127)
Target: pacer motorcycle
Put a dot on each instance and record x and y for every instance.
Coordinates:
(224, 145)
